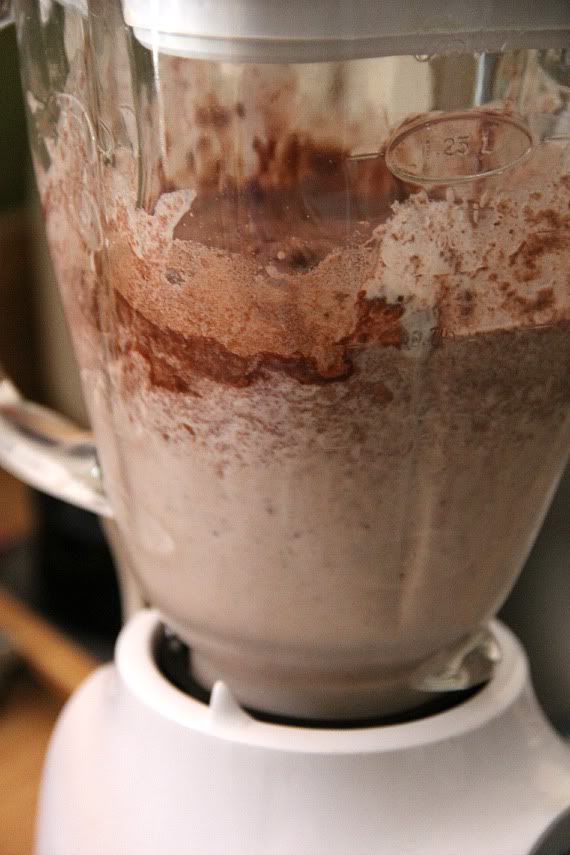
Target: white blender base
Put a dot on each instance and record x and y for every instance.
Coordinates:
(136, 767)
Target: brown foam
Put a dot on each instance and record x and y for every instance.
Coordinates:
(278, 280)
(174, 359)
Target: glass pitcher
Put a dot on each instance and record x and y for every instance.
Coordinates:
(315, 265)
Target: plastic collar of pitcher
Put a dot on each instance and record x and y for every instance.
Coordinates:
(297, 31)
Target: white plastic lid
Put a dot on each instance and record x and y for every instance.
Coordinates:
(318, 30)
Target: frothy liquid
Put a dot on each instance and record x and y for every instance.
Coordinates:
(329, 434)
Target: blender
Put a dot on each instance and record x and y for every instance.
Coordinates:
(314, 259)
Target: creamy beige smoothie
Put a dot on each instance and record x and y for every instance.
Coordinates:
(331, 407)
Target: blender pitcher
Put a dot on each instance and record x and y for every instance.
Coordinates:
(314, 258)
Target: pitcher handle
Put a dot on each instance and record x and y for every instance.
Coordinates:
(49, 452)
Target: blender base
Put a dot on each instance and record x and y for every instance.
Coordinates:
(136, 766)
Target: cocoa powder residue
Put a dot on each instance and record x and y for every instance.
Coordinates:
(525, 259)
(378, 322)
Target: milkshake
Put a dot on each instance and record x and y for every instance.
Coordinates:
(331, 405)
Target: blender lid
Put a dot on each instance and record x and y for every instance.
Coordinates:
(320, 30)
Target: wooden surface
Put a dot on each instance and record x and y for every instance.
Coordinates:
(16, 515)
(27, 714)
(29, 705)
(59, 663)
